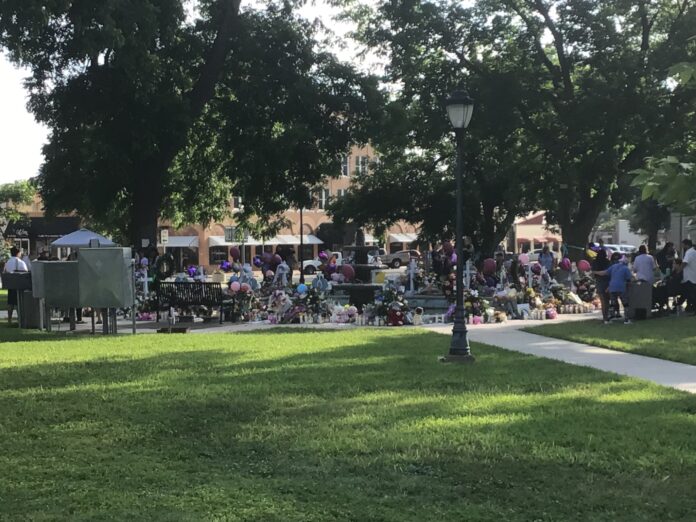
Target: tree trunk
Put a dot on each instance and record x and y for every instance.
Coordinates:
(575, 237)
(148, 191)
(652, 239)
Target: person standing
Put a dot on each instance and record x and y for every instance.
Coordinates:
(547, 260)
(689, 275)
(600, 264)
(665, 258)
(644, 266)
(619, 276)
(13, 265)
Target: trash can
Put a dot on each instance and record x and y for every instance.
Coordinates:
(640, 300)
(29, 309)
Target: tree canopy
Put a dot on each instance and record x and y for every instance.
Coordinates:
(586, 89)
(154, 112)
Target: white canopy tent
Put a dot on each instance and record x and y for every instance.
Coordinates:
(81, 239)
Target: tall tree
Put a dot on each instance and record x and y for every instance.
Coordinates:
(414, 179)
(131, 91)
(649, 216)
(586, 78)
(12, 197)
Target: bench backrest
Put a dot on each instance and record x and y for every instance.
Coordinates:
(189, 294)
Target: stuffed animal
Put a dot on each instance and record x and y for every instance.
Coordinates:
(395, 315)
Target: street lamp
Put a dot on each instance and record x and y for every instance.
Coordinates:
(302, 279)
(460, 107)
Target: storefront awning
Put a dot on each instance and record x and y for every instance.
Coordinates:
(282, 239)
(547, 239)
(181, 242)
(522, 240)
(369, 238)
(307, 239)
(408, 237)
(41, 227)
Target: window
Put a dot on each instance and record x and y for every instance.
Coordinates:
(324, 196)
(237, 202)
(345, 165)
(362, 164)
(341, 192)
(217, 254)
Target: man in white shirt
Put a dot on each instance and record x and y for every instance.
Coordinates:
(644, 266)
(689, 274)
(14, 264)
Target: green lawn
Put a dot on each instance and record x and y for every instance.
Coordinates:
(3, 299)
(355, 425)
(672, 338)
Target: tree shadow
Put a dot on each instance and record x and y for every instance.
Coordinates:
(377, 430)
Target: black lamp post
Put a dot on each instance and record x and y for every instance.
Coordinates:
(460, 107)
(302, 280)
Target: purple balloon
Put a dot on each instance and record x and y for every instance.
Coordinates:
(276, 260)
(453, 258)
(235, 253)
(267, 257)
(257, 261)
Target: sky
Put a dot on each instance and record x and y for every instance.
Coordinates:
(21, 137)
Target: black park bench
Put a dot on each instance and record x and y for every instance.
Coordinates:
(185, 294)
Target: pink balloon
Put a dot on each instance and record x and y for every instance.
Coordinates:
(348, 273)
(235, 253)
(584, 265)
(335, 277)
(270, 273)
(235, 286)
(536, 268)
(245, 287)
(565, 264)
(489, 266)
(523, 259)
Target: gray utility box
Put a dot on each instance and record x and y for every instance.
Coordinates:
(105, 277)
(640, 300)
(56, 282)
(16, 280)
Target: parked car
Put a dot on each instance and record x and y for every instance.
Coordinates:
(377, 252)
(622, 249)
(310, 266)
(400, 258)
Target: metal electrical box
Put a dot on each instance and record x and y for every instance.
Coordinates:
(56, 282)
(105, 277)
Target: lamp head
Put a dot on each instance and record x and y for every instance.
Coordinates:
(460, 107)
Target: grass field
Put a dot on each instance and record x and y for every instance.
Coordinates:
(358, 425)
(3, 299)
(672, 338)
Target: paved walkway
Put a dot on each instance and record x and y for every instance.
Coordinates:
(510, 337)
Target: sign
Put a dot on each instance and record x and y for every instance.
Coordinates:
(230, 234)
(164, 236)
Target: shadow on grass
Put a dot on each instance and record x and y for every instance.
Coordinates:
(372, 431)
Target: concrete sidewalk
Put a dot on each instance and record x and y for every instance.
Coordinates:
(510, 336)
